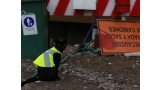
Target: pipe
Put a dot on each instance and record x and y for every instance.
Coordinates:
(94, 32)
(89, 30)
(123, 18)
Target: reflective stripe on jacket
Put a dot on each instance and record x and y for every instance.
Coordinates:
(46, 58)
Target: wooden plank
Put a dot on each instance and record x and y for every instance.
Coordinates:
(86, 19)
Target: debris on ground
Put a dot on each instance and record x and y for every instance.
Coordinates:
(89, 72)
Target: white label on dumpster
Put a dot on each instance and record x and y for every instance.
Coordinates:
(29, 24)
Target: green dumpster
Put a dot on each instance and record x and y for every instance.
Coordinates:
(34, 30)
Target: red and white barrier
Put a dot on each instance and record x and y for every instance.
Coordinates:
(103, 8)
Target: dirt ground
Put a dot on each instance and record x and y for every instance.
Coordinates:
(89, 72)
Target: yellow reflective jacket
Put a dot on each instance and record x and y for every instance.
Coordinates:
(46, 58)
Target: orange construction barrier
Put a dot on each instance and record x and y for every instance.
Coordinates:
(118, 36)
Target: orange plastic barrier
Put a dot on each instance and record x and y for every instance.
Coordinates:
(118, 36)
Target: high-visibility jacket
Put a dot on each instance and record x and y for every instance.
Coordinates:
(46, 59)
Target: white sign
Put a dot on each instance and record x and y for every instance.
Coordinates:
(84, 4)
(29, 24)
